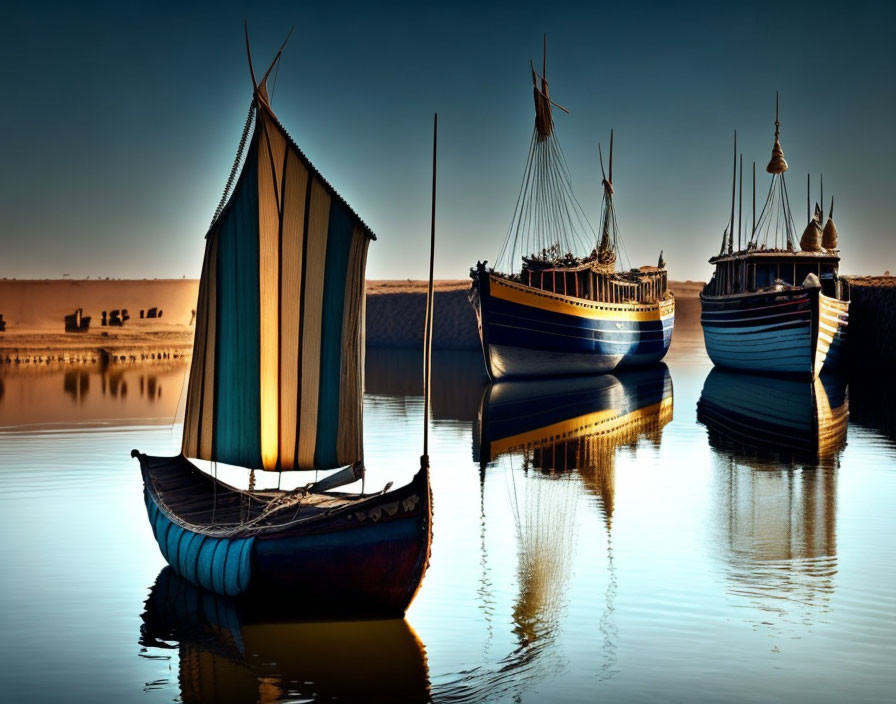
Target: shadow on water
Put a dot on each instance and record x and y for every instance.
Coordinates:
(231, 651)
(458, 377)
(566, 433)
(872, 403)
(778, 444)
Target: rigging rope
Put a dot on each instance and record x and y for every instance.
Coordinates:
(548, 220)
(775, 223)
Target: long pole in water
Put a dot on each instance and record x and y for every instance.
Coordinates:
(427, 331)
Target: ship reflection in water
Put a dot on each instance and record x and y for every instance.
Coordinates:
(565, 432)
(230, 651)
(779, 443)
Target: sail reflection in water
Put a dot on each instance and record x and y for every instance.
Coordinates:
(779, 442)
(230, 652)
(566, 432)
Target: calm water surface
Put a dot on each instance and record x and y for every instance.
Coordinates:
(662, 535)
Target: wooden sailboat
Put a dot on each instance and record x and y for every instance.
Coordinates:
(772, 305)
(276, 383)
(564, 310)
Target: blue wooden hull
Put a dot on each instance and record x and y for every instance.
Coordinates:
(221, 565)
(529, 332)
(795, 331)
(367, 557)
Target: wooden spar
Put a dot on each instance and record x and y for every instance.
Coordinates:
(277, 57)
(611, 159)
(733, 191)
(753, 230)
(427, 332)
(740, 204)
(808, 196)
(249, 54)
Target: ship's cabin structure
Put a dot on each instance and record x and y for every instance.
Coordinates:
(757, 271)
(596, 280)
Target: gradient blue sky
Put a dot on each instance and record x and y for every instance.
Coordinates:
(121, 120)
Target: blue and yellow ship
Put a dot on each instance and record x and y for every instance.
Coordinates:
(775, 305)
(560, 312)
(529, 331)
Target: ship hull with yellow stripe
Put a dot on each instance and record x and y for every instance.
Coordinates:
(526, 331)
(797, 331)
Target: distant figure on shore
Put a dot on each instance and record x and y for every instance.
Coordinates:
(117, 318)
(3, 323)
(76, 322)
(192, 315)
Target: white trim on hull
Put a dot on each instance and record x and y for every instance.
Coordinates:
(518, 361)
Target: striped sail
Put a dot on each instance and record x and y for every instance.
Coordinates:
(277, 374)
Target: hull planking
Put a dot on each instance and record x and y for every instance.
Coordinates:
(526, 331)
(797, 331)
(343, 554)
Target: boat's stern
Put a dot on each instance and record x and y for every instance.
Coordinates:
(830, 343)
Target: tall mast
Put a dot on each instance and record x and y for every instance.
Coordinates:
(427, 331)
(733, 191)
(740, 203)
(808, 196)
(753, 229)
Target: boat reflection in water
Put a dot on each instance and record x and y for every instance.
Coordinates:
(566, 432)
(229, 651)
(574, 423)
(779, 441)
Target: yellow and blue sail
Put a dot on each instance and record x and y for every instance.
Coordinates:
(277, 371)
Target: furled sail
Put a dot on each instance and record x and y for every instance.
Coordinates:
(278, 359)
(829, 234)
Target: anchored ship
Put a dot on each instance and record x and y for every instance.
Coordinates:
(773, 305)
(557, 301)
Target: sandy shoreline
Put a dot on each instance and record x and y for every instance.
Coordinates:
(34, 313)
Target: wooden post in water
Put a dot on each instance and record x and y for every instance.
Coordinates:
(427, 330)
